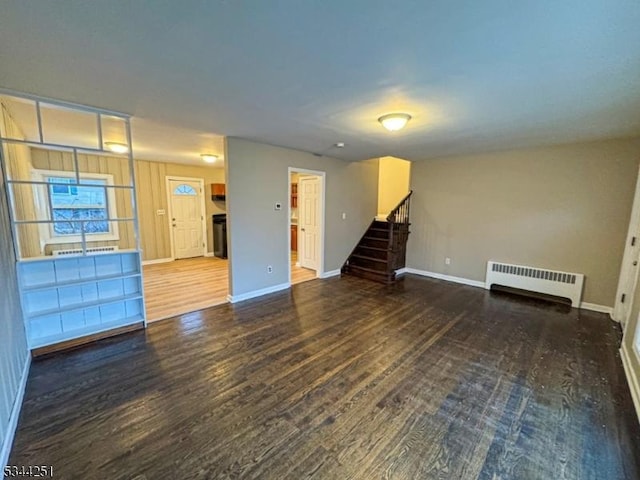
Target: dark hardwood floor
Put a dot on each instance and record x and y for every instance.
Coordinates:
(342, 379)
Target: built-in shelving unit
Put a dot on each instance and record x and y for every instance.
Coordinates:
(74, 220)
(64, 298)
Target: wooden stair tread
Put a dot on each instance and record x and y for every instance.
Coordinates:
(373, 259)
(377, 249)
(370, 270)
(367, 237)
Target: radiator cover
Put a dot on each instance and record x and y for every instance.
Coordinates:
(540, 280)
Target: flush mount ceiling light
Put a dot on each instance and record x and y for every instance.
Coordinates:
(116, 147)
(394, 121)
(207, 157)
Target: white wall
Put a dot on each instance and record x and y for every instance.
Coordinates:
(257, 178)
(564, 208)
(13, 344)
(14, 354)
(394, 181)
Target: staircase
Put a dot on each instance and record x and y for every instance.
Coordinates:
(383, 248)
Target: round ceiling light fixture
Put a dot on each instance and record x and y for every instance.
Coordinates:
(117, 147)
(394, 121)
(208, 158)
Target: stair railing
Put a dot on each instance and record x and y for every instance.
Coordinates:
(398, 221)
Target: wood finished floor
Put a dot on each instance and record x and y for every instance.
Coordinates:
(299, 274)
(191, 284)
(342, 379)
(183, 286)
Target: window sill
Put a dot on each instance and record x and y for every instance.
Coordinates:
(78, 239)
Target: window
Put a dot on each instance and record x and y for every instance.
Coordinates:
(74, 207)
(72, 203)
(184, 190)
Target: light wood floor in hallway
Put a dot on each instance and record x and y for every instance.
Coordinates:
(191, 284)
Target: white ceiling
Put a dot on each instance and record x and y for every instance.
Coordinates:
(475, 75)
(151, 140)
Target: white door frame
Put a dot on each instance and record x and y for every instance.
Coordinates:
(621, 312)
(323, 183)
(203, 210)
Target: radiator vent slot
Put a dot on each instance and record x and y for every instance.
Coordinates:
(549, 275)
(551, 282)
(70, 252)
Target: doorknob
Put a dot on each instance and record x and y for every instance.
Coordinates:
(635, 263)
(173, 225)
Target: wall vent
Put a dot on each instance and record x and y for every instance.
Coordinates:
(78, 251)
(551, 282)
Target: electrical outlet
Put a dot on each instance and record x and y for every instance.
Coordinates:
(278, 206)
(269, 269)
(447, 261)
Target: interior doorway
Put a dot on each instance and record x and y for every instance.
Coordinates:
(195, 275)
(186, 217)
(306, 227)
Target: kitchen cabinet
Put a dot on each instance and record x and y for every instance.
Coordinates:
(218, 191)
(294, 238)
(294, 195)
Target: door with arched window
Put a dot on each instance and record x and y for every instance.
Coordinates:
(187, 218)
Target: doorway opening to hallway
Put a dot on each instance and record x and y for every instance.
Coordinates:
(306, 224)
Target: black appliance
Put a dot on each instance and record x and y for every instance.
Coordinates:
(220, 235)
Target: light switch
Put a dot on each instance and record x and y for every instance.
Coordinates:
(344, 215)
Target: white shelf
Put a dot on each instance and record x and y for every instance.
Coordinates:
(81, 332)
(83, 281)
(84, 305)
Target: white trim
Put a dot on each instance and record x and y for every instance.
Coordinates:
(330, 273)
(632, 379)
(208, 254)
(475, 283)
(441, 276)
(157, 260)
(257, 293)
(323, 183)
(628, 278)
(15, 415)
(203, 209)
(594, 307)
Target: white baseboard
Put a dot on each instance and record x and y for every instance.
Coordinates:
(632, 379)
(257, 293)
(208, 254)
(594, 307)
(475, 283)
(15, 415)
(330, 273)
(157, 260)
(441, 276)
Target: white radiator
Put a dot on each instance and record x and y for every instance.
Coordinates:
(550, 282)
(78, 251)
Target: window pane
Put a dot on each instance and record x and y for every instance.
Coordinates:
(67, 221)
(77, 196)
(184, 190)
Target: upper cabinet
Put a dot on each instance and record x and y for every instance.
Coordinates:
(218, 191)
(294, 195)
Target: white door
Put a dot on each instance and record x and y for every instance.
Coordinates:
(186, 218)
(309, 197)
(629, 269)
